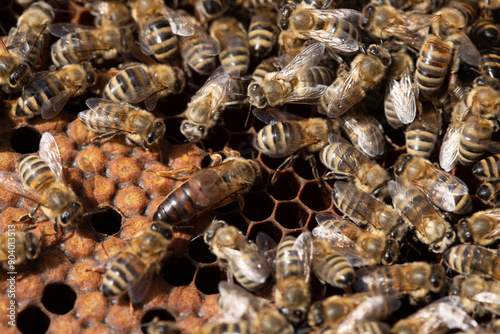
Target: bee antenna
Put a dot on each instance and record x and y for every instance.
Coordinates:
(199, 235)
(4, 33)
(202, 146)
(248, 115)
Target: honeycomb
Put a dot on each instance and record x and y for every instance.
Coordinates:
(60, 291)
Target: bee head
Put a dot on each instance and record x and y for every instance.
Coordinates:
(464, 232)
(73, 215)
(156, 133)
(256, 96)
(380, 53)
(164, 229)
(284, 16)
(213, 7)
(193, 132)
(391, 252)
(366, 16)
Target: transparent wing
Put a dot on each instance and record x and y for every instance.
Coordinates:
(233, 302)
(25, 37)
(339, 41)
(454, 317)
(140, 287)
(444, 187)
(448, 154)
(253, 271)
(267, 247)
(179, 24)
(348, 157)
(304, 246)
(371, 140)
(110, 115)
(309, 95)
(149, 94)
(273, 115)
(351, 15)
(54, 105)
(13, 183)
(345, 96)
(62, 29)
(310, 56)
(49, 152)
(468, 52)
(361, 208)
(402, 94)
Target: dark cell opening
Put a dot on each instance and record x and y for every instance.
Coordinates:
(216, 138)
(286, 187)
(268, 228)
(234, 119)
(258, 206)
(243, 144)
(291, 215)
(106, 221)
(173, 133)
(315, 198)
(25, 140)
(272, 163)
(199, 251)
(32, 321)
(178, 271)
(58, 298)
(303, 168)
(208, 278)
(159, 314)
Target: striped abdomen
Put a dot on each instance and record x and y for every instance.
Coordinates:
(124, 270)
(313, 77)
(199, 51)
(266, 66)
(473, 260)
(241, 327)
(35, 173)
(262, 33)
(489, 192)
(288, 262)
(490, 62)
(124, 80)
(432, 65)
(420, 142)
(331, 266)
(99, 119)
(160, 39)
(255, 261)
(488, 169)
(474, 133)
(235, 56)
(339, 157)
(31, 105)
(279, 139)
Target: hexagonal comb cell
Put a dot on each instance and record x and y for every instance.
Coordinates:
(178, 270)
(106, 221)
(291, 215)
(58, 298)
(32, 320)
(207, 279)
(25, 140)
(315, 198)
(285, 188)
(258, 206)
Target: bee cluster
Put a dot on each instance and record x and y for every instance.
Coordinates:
(353, 197)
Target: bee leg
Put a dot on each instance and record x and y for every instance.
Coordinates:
(284, 165)
(216, 159)
(174, 174)
(105, 136)
(313, 164)
(241, 202)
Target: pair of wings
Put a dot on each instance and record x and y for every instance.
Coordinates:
(108, 114)
(204, 45)
(49, 152)
(347, 153)
(329, 229)
(370, 137)
(402, 95)
(302, 248)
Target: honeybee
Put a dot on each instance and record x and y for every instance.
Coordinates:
(110, 13)
(132, 268)
(24, 44)
(483, 227)
(41, 179)
(489, 193)
(158, 28)
(438, 317)
(371, 327)
(366, 210)
(333, 27)
(301, 81)
(473, 260)
(204, 109)
(289, 43)
(206, 9)
(400, 102)
(161, 327)
(488, 169)
(109, 118)
(367, 71)
(26, 248)
(484, 33)
(293, 267)
(290, 135)
(444, 190)
(359, 246)
(344, 160)
(139, 82)
(473, 122)
(49, 91)
(217, 185)
(266, 66)
(262, 32)
(415, 279)
(364, 131)
(490, 62)
(422, 134)
(477, 295)
(234, 52)
(431, 228)
(79, 43)
(240, 327)
(338, 312)
(236, 304)
(199, 50)
(238, 254)
(330, 266)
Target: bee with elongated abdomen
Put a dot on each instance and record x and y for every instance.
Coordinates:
(238, 254)
(440, 316)
(41, 179)
(132, 268)
(234, 52)
(109, 118)
(209, 188)
(360, 246)
(205, 107)
(288, 135)
(330, 266)
(477, 295)
(48, 92)
(412, 204)
(263, 32)
(336, 312)
(293, 267)
(79, 44)
(26, 245)
(367, 71)
(344, 160)
(300, 81)
(148, 83)
(366, 210)
(159, 27)
(473, 260)
(416, 279)
(444, 190)
(199, 51)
